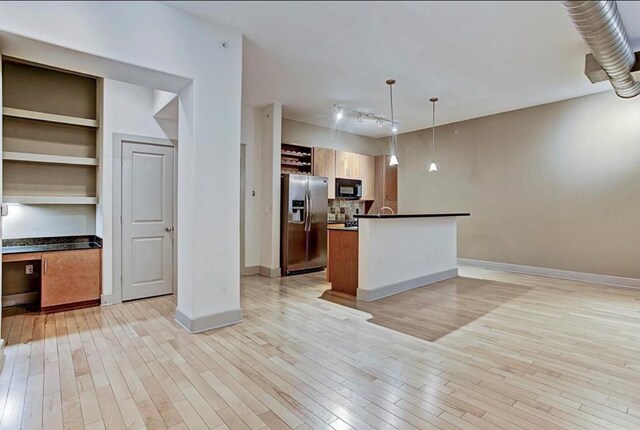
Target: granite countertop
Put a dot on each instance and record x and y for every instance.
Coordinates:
(343, 229)
(45, 244)
(389, 216)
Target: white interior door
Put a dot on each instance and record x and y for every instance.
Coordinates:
(147, 220)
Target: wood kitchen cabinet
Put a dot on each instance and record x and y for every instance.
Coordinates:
(341, 164)
(386, 178)
(70, 278)
(347, 165)
(324, 164)
(368, 176)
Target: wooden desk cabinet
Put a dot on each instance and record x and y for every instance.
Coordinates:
(70, 278)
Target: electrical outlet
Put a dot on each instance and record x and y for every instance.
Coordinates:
(429, 256)
(28, 269)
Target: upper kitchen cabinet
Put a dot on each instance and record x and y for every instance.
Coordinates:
(324, 164)
(368, 176)
(49, 133)
(347, 165)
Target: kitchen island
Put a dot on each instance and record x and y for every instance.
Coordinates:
(394, 253)
(342, 259)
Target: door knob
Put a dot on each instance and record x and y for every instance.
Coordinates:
(168, 229)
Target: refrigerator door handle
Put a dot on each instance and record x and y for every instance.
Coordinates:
(310, 211)
(307, 203)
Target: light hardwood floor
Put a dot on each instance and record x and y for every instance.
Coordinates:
(486, 350)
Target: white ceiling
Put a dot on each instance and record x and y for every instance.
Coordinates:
(479, 58)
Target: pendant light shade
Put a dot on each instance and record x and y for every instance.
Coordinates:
(393, 140)
(433, 167)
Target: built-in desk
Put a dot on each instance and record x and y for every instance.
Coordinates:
(69, 270)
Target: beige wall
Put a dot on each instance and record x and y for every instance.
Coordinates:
(312, 135)
(554, 186)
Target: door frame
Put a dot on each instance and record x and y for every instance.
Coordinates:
(119, 140)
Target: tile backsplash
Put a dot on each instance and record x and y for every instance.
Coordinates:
(344, 210)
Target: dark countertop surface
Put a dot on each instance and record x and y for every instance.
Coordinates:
(46, 244)
(376, 216)
(343, 229)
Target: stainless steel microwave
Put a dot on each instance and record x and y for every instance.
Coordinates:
(348, 189)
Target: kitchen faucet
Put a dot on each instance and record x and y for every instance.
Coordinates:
(380, 212)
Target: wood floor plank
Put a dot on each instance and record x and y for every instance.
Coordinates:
(486, 350)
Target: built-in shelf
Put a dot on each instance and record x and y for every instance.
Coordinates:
(296, 153)
(295, 163)
(50, 200)
(295, 172)
(295, 159)
(45, 158)
(49, 117)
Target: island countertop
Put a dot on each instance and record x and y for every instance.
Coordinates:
(389, 216)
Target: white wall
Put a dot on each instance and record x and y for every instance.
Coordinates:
(313, 135)
(270, 181)
(128, 40)
(399, 254)
(252, 138)
(552, 186)
(49, 221)
(126, 109)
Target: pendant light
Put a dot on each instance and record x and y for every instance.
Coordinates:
(433, 167)
(394, 128)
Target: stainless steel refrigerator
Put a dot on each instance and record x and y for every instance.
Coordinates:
(303, 223)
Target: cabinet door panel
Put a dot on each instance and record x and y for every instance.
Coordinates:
(318, 161)
(324, 164)
(368, 174)
(354, 166)
(347, 165)
(342, 164)
(70, 277)
(390, 182)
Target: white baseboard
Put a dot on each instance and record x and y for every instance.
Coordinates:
(269, 272)
(595, 278)
(108, 300)
(209, 322)
(250, 270)
(401, 287)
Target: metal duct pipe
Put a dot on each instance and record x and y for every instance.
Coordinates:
(600, 25)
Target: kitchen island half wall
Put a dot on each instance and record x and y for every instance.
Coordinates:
(401, 252)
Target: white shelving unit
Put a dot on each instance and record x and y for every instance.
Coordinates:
(45, 158)
(50, 149)
(51, 200)
(50, 117)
